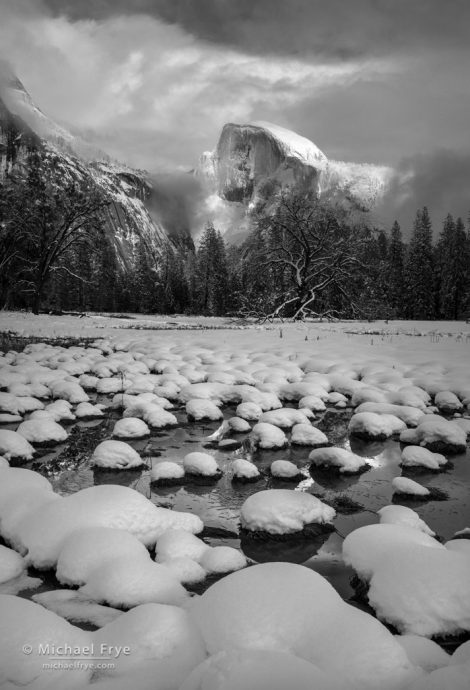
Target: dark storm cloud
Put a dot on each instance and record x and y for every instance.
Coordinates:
(439, 180)
(339, 29)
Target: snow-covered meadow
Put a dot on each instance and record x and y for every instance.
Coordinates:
(240, 506)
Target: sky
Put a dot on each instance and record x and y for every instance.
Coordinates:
(154, 81)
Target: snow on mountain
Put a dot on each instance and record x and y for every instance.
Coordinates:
(132, 216)
(253, 162)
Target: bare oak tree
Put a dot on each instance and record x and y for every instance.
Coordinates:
(309, 246)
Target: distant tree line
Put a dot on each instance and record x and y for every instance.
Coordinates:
(310, 257)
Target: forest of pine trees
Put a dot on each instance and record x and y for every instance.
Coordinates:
(382, 276)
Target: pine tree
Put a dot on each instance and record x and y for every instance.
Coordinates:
(452, 269)
(419, 298)
(211, 274)
(395, 269)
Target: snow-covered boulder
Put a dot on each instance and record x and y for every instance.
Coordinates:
(11, 564)
(249, 411)
(260, 669)
(130, 428)
(284, 417)
(157, 417)
(116, 455)
(10, 404)
(422, 652)
(86, 410)
(13, 446)
(167, 473)
(59, 410)
(438, 435)
(44, 531)
(299, 613)
(163, 643)
(407, 487)
(186, 570)
(446, 401)
(203, 409)
(42, 432)
(126, 583)
(401, 515)
(71, 391)
(6, 418)
(175, 543)
(281, 512)
(88, 548)
(410, 415)
(286, 470)
(314, 403)
(267, 436)
(245, 471)
(76, 607)
(201, 465)
(239, 425)
(222, 559)
(417, 457)
(25, 625)
(307, 435)
(375, 427)
(338, 460)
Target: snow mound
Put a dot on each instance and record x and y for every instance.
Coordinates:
(299, 613)
(238, 425)
(76, 608)
(446, 401)
(284, 417)
(284, 469)
(249, 411)
(244, 469)
(203, 409)
(258, 669)
(71, 391)
(186, 570)
(127, 583)
(437, 434)
(160, 639)
(283, 511)
(338, 459)
(44, 531)
(14, 446)
(316, 404)
(369, 425)
(11, 564)
(130, 427)
(307, 435)
(268, 436)
(410, 415)
(423, 652)
(42, 431)
(200, 464)
(401, 515)
(116, 455)
(176, 543)
(408, 487)
(366, 547)
(86, 410)
(222, 559)
(86, 549)
(166, 471)
(24, 622)
(417, 456)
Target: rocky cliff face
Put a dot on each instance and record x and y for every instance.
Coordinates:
(133, 215)
(253, 163)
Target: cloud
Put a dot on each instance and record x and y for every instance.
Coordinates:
(439, 180)
(152, 93)
(336, 29)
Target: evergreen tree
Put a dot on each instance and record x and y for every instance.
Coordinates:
(419, 299)
(211, 274)
(452, 269)
(395, 270)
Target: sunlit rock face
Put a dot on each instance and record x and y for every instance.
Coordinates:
(253, 163)
(137, 210)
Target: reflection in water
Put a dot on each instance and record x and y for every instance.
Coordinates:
(297, 551)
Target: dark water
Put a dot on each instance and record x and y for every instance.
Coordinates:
(67, 467)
